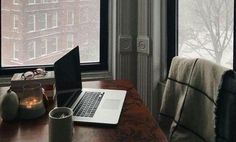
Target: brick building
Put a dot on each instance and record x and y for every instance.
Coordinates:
(36, 32)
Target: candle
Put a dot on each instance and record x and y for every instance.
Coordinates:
(31, 102)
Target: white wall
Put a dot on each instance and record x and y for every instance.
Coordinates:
(140, 46)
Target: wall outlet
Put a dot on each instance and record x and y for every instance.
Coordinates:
(143, 44)
(125, 43)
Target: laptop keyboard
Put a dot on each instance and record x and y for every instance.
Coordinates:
(88, 104)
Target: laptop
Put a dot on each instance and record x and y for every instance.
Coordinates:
(89, 105)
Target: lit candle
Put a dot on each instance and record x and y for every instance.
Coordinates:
(31, 103)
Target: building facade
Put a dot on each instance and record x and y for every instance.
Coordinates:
(38, 32)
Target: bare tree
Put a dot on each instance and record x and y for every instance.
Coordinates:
(212, 27)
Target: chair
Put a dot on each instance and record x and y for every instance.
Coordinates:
(226, 109)
(189, 100)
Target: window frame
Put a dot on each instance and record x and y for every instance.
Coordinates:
(15, 22)
(33, 23)
(85, 67)
(172, 32)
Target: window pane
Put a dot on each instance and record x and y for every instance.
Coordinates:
(70, 19)
(46, 34)
(205, 30)
(31, 23)
(70, 41)
(41, 21)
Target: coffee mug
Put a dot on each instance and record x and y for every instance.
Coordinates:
(60, 125)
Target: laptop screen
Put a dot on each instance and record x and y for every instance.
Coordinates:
(67, 74)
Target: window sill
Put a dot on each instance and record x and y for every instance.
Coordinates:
(99, 75)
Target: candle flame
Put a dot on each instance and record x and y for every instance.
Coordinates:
(30, 102)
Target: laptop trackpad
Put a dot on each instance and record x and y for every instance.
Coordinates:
(111, 104)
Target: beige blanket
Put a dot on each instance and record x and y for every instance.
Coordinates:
(187, 109)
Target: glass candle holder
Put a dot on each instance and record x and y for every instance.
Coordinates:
(31, 101)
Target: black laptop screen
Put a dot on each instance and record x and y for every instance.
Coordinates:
(67, 74)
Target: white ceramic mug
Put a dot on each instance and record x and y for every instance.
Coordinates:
(60, 125)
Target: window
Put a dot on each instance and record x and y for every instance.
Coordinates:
(15, 51)
(15, 22)
(53, 44)
(42, 47)
(38, 1)
(16, 2)
(31, 50)
(84, 17)
(70, 41)
(42, 18)
(52, 20)
(31, 2)
(70, 17)
(31, 23)
(50, 1)
(46, 1)
(45, 34)
(202, 29)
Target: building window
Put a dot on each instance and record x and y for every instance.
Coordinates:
(30, 2)
(31, 23)
(15, 22)
(50, 1)
(42, 21)
(15, 51)
(70, 17)
(16, 2)
(31, 50)
(54, 1)
(42, 47)
(202, 29)
(70, 41)
(52, 44)
(84, 14)
(50, 20)
(46, 1)
(54, 19)
(38, 1)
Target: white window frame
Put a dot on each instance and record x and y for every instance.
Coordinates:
(46, 20)
(15, 49)
(15, 20)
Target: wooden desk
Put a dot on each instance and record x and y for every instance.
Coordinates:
(136, 123)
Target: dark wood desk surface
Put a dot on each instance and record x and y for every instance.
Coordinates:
(136, 123)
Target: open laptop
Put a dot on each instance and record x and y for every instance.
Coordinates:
(89, 105)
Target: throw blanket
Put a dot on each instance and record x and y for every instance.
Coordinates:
(189, 99)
